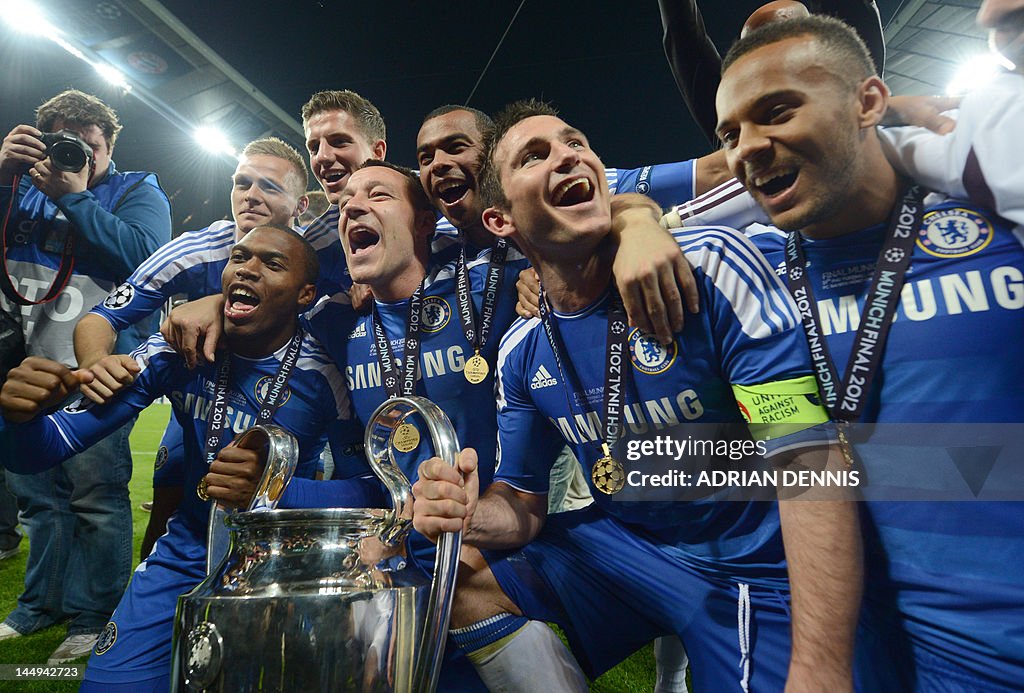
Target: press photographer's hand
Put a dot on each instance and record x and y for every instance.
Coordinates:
(21, 150)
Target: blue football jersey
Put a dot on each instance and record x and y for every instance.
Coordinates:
(191, 264)
(747, 333)
(950, 569)
(349, 339)
(314, 405)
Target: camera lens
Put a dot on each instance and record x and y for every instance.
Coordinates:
(67, 156)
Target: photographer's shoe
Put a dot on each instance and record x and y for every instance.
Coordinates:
(73, 647)
(6, 632)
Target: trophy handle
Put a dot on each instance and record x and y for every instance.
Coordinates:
(384, 422)
(282, 458)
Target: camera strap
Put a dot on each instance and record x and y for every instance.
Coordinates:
(67, 261)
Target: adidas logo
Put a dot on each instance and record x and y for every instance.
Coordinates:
(542, 379)
(360, 331)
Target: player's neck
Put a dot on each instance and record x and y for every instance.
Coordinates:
(572, 284)
(872, 196)
(477, 237)
(401, 286)
(259, 346)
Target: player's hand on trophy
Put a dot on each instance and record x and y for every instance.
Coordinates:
(445, 496)
(235, 475)
(37, 385)
(651, 272)
(111, 374)
(21, 149)
(193, 329)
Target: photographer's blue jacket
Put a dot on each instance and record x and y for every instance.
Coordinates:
(117, 225)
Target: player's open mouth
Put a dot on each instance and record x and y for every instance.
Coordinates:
(573, 191)
(360, 238)
(241, 302)
(452, 191)
(773, 184)
(333, 176)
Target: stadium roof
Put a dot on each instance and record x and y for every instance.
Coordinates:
(247, 67)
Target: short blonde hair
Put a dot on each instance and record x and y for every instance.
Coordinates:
(272, 146)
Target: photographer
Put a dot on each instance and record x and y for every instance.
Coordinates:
(74, 228)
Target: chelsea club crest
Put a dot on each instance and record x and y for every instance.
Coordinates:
(649, 355)
(954, 232)
(262, 390)
(435, 313)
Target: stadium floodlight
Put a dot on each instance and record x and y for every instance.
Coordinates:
(213, 140)
(112, 75)
(975, 72)
(25, 17)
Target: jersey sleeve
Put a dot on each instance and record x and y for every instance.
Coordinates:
(666, 184)
(124, 238)
(46, 441)
(528, 444)
(728, 204)
(980, 159)
(758, 335)
(180, 266)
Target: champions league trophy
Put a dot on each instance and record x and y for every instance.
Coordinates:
(324, 599)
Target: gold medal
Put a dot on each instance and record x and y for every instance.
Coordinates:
(476, 369)
(405, 438)
(201, 490)
(276, 488)
(608, 474)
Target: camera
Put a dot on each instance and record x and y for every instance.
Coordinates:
(67, 150)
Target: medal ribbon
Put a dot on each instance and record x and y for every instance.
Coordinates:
(216, 423)
(400, 383)
(477, 333)
(614, 371)
(847, 398)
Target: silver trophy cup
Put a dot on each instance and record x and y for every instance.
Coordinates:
(324, 599)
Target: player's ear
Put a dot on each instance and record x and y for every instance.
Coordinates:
(379, 149)
(498, 221)
(301, 205)
(872, 101)
(307, 294)
(426, 221)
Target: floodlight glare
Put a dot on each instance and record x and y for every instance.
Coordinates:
(112, 75)
(25, 17)
(213, 140)
(975, 72)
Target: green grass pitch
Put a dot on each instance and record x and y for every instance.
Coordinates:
(632, 676)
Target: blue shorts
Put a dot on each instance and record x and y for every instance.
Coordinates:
(612, 591)
(169, 466)
(135, 646)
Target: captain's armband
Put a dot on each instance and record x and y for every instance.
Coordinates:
(779, 408)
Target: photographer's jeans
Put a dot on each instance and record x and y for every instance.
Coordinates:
(78, 521)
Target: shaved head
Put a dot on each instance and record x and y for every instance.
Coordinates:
(773, 12)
